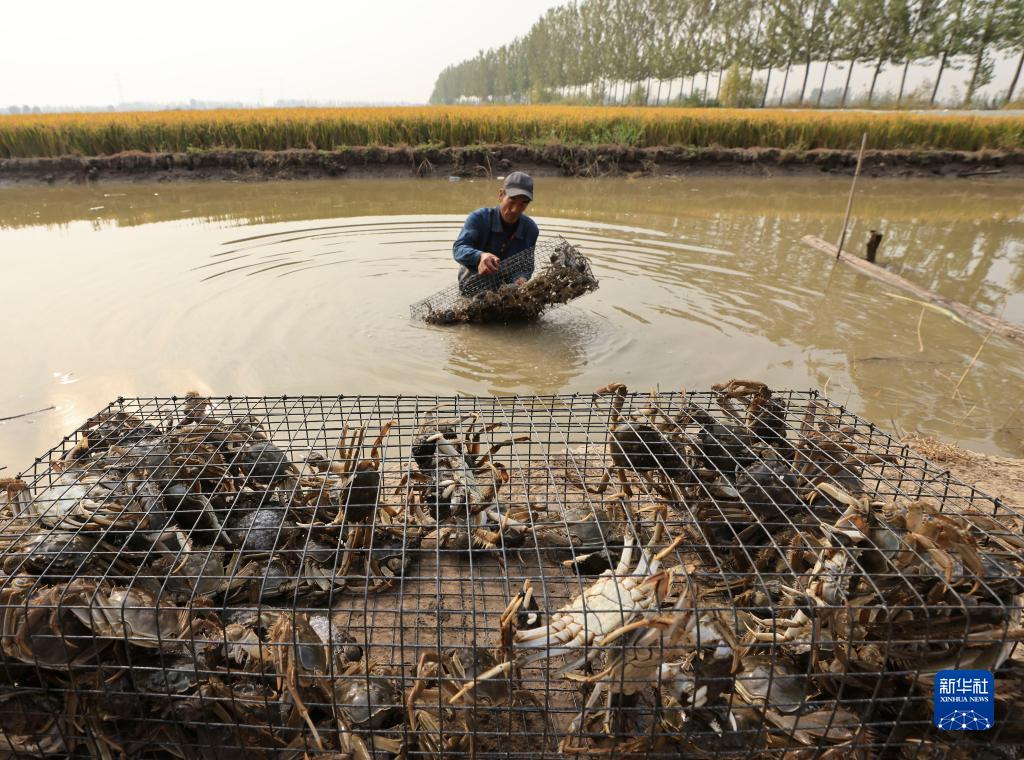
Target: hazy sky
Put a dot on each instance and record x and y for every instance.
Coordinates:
(102, 52)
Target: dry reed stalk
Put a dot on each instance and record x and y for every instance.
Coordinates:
(960, 425)
(920, 343)
(977, 353)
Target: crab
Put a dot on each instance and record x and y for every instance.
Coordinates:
(454, 476)
(210, 455)
(34, 725)
(720, 449)
(136, 616)
(826, 449)
(367, 706)
(351, 487)
(825, 587)
(90, 500)
(640, 446)
(261, 578)
(658, 650)
(259, 523)
(440, 729)
(300, 662)
(441, 725)
(48, 626)
(452, 491)
(112, 429)
(351, 484)
(943, 537)
(613, 600)
(765, 414)
(616, 598)
(57, 555)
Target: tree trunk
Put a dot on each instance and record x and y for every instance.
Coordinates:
(785, 81)
(807, 74)
(658, 98)
(718, 87)
(767, 82)
(824, 73)
(979, 58)
(942, 66)
(846, 87)
(903, 83)
(1016, 76)
(878, 69)
(707, 81)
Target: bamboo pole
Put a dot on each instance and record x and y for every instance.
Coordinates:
(849, 202)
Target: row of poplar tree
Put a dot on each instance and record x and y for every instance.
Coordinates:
(587, 49)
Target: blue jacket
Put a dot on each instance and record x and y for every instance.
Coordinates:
(483, 232)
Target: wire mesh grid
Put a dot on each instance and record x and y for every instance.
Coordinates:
(549, 274)
(731, 573)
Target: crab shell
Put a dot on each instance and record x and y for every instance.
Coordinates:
(263, 463)
(369, 702)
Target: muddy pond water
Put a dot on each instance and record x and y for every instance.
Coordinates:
(305, 287)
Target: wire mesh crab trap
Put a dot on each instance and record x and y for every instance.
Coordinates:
(721, 574)
(551, 273)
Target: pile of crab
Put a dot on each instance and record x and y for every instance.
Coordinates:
(707, 583)
(191, 584)
(565, 276)
(767, 598)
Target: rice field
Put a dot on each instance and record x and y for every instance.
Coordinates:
(94, 134)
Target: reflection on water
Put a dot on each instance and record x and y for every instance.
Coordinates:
(304, 288)
(542, 357)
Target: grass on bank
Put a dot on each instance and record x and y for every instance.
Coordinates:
(93, 134)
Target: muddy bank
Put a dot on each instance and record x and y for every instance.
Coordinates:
(1001, 477)
(565, 160)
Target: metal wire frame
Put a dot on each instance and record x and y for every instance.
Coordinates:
(556, 271)
(131, 625)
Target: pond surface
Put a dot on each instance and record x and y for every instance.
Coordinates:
(305, 287)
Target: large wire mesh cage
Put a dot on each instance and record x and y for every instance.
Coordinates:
(527, 284)
(730, 573)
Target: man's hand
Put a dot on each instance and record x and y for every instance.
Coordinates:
(520, 281)
(488, 263)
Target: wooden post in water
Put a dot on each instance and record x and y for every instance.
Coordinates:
(873, 242)
(849, 202)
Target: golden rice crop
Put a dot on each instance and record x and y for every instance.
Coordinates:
(93, 134)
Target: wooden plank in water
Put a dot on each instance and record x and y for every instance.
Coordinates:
(986, 321)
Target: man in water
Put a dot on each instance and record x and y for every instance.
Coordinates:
(491, 235)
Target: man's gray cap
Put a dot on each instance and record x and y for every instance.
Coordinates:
(518, 183)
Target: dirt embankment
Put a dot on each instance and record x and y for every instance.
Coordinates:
(491, 160)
